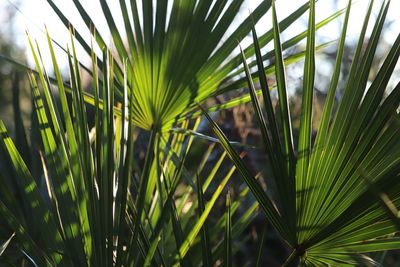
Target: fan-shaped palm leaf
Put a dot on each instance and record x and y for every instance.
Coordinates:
(325, 209)
(176, 51)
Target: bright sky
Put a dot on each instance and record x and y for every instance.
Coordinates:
(37, 13)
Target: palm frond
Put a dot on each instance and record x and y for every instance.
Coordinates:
(337, 218)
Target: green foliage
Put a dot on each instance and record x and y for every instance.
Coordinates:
(96, 204)
(325, 207)
(89, 214)
(177, 58)
(172, 63)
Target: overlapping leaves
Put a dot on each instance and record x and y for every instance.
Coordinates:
(94, 204)
(176, 51)
(325, 208)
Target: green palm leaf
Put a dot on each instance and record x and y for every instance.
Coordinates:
(174, 56)
(338, 219)
(228, 233)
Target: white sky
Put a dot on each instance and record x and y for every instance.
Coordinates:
(37, 13)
